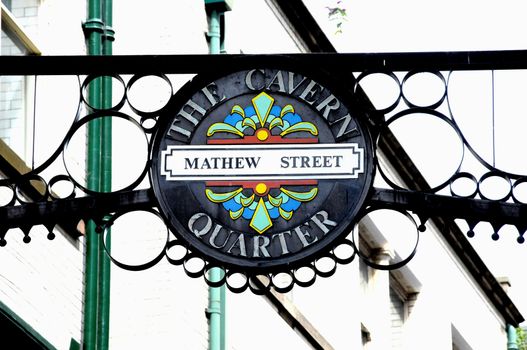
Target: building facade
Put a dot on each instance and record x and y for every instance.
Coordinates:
(441, 297)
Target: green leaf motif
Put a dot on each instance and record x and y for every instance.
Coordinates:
(223, 127)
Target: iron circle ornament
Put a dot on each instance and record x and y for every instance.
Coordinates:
(390, 75)
(432, 105)
(107, 243)
(261, 170)
(35, 180)
(386, 130)
(134, 124)
(518, 196)
(259, 284)
(471, 184)
(147, 114)
(7, 193)
(369, 260)
(93, 78)
(502, 193)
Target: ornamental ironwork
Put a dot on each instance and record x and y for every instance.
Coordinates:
(265, 168)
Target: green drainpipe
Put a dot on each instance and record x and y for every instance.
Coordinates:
(103, 324)
(214, 32)
(98, 174)
(512, 338)
(217, 295)
(93, 29)
(216, 317)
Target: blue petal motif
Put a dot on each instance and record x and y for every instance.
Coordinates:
(248, 213)
(232, 205)
(274, 213)
(249, 111)
(292, 118)
(232, 119)
(275, 111)
(290, 205)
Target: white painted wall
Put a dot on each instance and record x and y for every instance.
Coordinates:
(42, 283)
(162, 307)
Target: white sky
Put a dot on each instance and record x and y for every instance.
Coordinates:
(451, 25)
(414, 25)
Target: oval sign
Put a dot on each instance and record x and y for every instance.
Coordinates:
(261, 169)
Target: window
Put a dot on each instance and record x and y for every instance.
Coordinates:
(14, 111)
(401, 304)
(15, 40)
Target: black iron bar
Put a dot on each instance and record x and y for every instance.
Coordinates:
(419, 202)
(184, 64)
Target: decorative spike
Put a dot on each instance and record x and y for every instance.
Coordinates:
(99, 224)
(422, 226)
(471, 224)
(521, 231)
(3, 231)
(25, 228)
(496, 226)
(49, 226)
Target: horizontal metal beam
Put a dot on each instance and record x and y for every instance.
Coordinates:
(433, 205)
(30, 214)
(185, 64)
(429, 205)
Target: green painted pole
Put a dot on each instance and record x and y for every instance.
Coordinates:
(93, 28)
(512, 338)
(103, 323)
(214, 32)
(217, 295)
(223, 313)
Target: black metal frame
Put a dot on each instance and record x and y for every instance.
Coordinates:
(202, 64)
(506, 213)
(419, 199)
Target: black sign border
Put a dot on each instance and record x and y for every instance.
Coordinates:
(309, 254)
